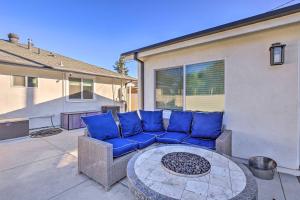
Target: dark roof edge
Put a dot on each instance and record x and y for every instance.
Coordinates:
(236, 24)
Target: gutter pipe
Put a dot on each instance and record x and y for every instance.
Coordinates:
(142, 78)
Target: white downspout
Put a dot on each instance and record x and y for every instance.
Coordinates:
(298, 109)
(64, 93)
(113, 90)
(129, 98)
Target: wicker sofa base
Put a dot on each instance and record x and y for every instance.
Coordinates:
(95, 158)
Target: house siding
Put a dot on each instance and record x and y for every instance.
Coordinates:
(261, 101)
(49, 98)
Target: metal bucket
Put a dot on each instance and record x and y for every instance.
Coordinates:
(262, 167)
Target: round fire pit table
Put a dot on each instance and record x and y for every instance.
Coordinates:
(188, 172)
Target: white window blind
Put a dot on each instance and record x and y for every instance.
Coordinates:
(205, 86)
(168, 89)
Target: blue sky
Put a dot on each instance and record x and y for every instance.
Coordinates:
(98, 31)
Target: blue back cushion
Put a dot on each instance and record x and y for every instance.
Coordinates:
(180, 121)
(152, 121)
(101, 127)
(207, 125)
(130, 123)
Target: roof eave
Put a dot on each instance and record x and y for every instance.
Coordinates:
(65, 70)
(51, 67)
(232, 25)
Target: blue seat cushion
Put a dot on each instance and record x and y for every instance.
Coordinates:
(142, 139)
(156, 134)
(210, 144)
(122, 146)
(130, 123)
(172, 137)
(101, 126)
(207, 125)
(152, 120)
(180, 121)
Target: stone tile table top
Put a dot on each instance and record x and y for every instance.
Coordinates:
(149, 178)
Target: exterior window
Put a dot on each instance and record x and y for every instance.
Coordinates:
(32, 82)
(205, 86)
(203, 89)
(80, 89)
(25, 81)
(74, 88)
(88, 89)
(19, 81)
(168, 89)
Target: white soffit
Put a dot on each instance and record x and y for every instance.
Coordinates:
(269, 24)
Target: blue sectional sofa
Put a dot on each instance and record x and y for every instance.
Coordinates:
(116, 144)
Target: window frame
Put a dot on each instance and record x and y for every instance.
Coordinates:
(184, 81)
(37, 78)
(26, 81)
(81, 77)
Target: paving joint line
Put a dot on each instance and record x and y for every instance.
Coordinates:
(62, 192)
(63, 151)
(281, 185)
(33, 162)
(59, 148)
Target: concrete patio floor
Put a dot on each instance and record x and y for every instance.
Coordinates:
(46, 168)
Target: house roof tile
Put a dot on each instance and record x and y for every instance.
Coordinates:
(20, 54)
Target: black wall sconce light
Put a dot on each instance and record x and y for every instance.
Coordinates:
(277, 54)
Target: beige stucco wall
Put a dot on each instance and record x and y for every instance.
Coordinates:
(261, 101)
(50, 96)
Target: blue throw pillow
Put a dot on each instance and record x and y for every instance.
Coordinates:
(180, 121)
(101, 127)
(207, 125)
(152, 121)
(130, 123)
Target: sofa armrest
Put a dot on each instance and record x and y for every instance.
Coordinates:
(224, 143)
(93, 152)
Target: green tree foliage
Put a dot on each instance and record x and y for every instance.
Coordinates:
(120, 66)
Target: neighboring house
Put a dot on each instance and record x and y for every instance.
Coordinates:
(228, 68)
(132, 90)
(36, 84)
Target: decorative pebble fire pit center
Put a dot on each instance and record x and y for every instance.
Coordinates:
(184, 163)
